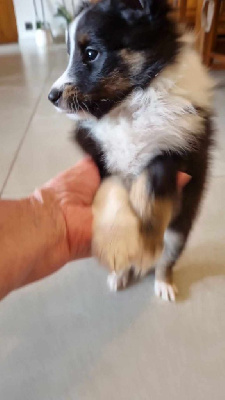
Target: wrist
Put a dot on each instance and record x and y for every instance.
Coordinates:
(51, 242)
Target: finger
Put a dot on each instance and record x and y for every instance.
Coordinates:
(182, 180)
(82, 179)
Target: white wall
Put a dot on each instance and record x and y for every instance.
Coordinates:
(25, 13)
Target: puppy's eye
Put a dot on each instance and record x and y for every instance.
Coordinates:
(90, 55)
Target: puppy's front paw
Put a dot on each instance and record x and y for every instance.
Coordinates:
(118, 241)
(165, 291)
(117, 246)
(117, 281)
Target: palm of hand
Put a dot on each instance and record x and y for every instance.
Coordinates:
(75, 190)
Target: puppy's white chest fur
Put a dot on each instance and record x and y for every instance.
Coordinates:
(135, 133)
(161, 118)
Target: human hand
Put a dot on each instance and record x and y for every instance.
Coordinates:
(182, 180)
(41, 233)
(74, 190)
(66, 215)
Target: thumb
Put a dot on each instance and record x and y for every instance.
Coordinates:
(182, 180)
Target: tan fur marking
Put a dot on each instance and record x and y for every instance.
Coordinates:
(69, 91)
(83, 39)
(134, 60)
(113, 83)
(113, 243)
(153, 211)
(140, 199)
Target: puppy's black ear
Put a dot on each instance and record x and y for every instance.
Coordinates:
(134, 4)
(157, 7)
(153, 8)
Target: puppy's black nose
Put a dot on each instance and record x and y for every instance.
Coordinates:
(55, 95)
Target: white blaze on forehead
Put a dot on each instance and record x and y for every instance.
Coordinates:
(65, 77)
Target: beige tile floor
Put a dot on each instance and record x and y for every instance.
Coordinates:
(67, 337)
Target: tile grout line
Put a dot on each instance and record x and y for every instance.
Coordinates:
(23, 137)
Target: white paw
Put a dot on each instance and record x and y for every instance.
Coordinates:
(165, 291)
(116, 281)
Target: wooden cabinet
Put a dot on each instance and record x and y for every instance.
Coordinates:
(8, 28)
(210, 43)
(184, 10)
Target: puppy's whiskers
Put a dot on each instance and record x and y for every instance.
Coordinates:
(85, 105)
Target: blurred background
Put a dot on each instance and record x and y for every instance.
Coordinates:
(22, 19)
(46, 20)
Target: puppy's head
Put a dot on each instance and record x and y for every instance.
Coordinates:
(114, 46)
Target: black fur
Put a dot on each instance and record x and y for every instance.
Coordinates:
(91, 147)
(162, 172)
(196, 164)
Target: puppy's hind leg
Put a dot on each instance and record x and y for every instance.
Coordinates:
(153, 197)
(173, 245)
(175, 238)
